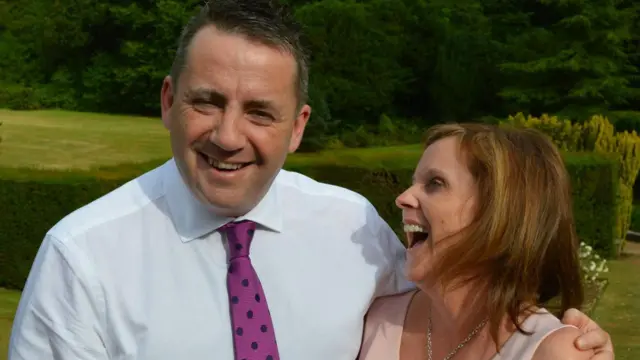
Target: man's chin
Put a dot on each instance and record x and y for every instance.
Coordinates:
(226, 207)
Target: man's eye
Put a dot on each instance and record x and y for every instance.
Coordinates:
(203, 105)
(263, 115)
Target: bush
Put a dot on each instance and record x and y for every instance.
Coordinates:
(33, 201)
(593, 266)
(21, 97)
(625, 120)
(388, 132)
(594, 189)
(635, 218)
(596, 134)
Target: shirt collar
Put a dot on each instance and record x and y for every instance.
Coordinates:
(193, 219)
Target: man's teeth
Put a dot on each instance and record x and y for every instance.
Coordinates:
(413, 228)
(224, 165)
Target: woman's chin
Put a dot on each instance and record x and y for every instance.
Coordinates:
(417, 263)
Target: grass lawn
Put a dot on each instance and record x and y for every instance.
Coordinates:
(619, 309)
(62, 139)
(55, 139)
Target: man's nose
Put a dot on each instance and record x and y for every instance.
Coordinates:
(228, 134)
(407, 200)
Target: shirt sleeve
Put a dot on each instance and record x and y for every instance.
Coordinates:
(58, 314)
(391, 255)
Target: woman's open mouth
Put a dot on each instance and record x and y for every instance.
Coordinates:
(416, 234)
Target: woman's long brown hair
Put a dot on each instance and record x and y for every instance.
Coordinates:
(522, 242)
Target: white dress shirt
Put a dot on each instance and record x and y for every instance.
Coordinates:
(141, 274)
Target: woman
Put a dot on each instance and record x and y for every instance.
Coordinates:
(490, 227)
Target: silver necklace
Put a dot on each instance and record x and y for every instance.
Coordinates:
(457, 348)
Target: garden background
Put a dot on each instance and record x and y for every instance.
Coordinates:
(80, 81)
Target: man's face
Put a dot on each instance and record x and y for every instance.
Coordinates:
(233, 119)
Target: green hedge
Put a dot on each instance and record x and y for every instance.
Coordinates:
(595, 185)
(33, 201)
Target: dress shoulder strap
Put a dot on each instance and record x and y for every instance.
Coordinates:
(521, 346)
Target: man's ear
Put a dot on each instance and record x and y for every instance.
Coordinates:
(166, 100)
(298, 127)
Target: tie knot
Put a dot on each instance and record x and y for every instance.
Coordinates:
(239, 235)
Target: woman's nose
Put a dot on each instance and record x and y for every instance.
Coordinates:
(407, 200)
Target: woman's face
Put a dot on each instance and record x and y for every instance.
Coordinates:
(440, 203)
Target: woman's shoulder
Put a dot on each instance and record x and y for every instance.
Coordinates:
(383, 326)
(549, 339)
(560, 345)
(390, 305)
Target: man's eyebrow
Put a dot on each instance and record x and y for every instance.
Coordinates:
(207, 94)
(259, 104)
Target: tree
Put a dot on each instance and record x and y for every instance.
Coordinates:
(573, 56)
(354, 56)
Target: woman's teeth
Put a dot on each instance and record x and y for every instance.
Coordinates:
(413, 228)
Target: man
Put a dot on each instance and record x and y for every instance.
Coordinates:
(160, 268)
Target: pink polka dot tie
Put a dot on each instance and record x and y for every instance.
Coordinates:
(253, 335)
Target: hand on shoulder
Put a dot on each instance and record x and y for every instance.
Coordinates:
(560, 345)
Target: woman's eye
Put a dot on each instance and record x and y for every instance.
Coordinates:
(435, 183)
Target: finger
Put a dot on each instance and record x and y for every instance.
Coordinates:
(594, 339)
(604, 355)
(578, 319)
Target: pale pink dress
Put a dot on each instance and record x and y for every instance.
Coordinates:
(383, 331)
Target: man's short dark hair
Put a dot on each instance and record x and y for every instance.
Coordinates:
(264, 21)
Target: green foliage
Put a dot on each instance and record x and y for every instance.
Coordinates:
(429, 61)
(39, 199)
(635, 219)
(387, 132)
(595, 186)
(320, 124)
(625, 120)
(574, 54)
(596, 134)
(348, 37)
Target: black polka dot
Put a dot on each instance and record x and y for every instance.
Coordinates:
(231, 268)
(238, 246)
(245, 282)
(254, 345)
(263, 328)
(257, 297)
(250, 314)
(239, 331)
(234, 300)
(269, 357)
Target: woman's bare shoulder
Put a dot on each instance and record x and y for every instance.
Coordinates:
(390, 305)
(559, 345)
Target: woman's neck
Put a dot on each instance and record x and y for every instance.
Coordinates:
(459, 310)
